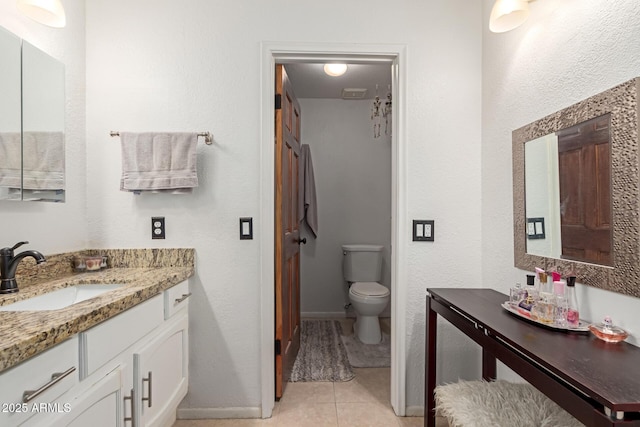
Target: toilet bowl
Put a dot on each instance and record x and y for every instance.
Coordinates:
(368, 299)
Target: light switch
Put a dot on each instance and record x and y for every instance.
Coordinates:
(246, 228)
(423, 230)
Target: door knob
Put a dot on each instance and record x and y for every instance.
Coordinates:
(302, 241)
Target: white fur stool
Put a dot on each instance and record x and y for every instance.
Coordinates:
(499, 403)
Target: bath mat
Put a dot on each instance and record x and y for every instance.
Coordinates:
(368, 355)
(322, 356)
(499, 403)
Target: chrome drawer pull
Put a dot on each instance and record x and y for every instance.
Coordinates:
(184, 297)
(132, 418)
(150, 381)
(29, 395)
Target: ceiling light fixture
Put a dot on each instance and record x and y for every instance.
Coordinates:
(47, 12)
(508, 14)
(335, 70)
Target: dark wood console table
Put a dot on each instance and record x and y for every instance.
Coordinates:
(596, 382)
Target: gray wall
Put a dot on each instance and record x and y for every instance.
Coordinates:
(353, 186)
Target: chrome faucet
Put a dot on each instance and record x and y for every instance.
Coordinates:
(9, 264)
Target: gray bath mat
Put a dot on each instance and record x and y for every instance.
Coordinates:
(322, 356)
(368, 355)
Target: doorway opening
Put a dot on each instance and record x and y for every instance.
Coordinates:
(395, 58)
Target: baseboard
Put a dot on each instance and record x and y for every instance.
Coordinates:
(414, 411)
(322, 315)
(216, 413)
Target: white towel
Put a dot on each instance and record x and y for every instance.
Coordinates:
(10, 160)
(308, 209)
(43, 161)
(158, 162)
(43, 164)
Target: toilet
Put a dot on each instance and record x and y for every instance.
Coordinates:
(362, 269)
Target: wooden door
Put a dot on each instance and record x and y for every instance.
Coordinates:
(287, 249)
(584, 160)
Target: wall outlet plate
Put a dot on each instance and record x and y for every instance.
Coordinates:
(157, 227)
(246, 228)
(423, 230)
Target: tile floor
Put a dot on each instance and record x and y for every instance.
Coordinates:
(363, 401)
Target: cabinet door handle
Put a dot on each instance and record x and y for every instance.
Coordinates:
(29, 395)
(148, 380)
(184, 297)
(132, 418)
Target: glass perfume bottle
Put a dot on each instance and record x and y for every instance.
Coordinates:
(543, 286)
(573, 313)
(532, 291)
(517, 293)
(608, 332)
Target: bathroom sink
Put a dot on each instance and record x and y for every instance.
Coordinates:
(61, 298)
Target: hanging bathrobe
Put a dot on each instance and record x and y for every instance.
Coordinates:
(307, 207)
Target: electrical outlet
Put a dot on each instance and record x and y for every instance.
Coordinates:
(157, 227)
(423, 230)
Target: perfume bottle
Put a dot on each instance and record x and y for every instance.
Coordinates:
(606, 331)
(573, 313)
(516, 294)
(531, 291)
(543, 279)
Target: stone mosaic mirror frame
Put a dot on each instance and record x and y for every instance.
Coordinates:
(622, 102)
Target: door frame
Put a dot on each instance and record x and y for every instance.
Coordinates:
(287, 52)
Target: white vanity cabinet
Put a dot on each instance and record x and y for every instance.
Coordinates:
(133, 368)
(160, 373)
(96, 406)
(27, 389)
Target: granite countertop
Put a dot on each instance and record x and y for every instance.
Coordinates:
(24, 334)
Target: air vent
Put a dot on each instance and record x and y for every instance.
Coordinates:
(353, 93)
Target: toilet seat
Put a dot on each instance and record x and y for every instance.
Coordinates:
(369, 289)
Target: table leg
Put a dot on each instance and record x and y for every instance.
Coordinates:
(488, 366)
(430, 366)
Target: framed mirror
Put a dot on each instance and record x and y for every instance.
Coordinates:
(589, 153)
(10, 118)
(32, 109)
(43, 91)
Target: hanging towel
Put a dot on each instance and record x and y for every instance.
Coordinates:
(159, 162)
(10, 160)
(33, 162)
(307, 207)
(43, 161)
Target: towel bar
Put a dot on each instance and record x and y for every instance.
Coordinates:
(208, 138)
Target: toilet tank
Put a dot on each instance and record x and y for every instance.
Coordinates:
(362, 263)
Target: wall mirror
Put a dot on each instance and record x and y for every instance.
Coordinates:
(576, 191)
(32, 154)
(10, 117)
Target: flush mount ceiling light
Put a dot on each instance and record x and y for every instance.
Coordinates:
(335, 70)
(508, 14)
(47, 12)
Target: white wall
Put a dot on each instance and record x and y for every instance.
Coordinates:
(55, 227)
(163, 65)
(353, 186)
(567, 51)
(195, 66)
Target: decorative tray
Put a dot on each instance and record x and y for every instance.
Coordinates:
(583, 327)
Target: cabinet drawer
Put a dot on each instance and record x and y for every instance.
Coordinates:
(99, 405)
(39, 380)
(105, 341)
(176, 298)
